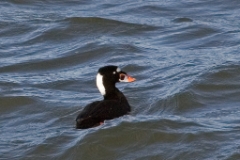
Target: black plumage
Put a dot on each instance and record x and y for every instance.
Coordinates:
(114, 103)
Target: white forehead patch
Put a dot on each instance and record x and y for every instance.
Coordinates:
(118, 69)
(100, 86)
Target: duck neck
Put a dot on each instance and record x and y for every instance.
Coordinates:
(108, 89)
(112, 93)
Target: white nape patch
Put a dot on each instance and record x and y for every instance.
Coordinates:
(118, 69)
(99, 82)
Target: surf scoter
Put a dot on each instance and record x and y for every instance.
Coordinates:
(114, 103)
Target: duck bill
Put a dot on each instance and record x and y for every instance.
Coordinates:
(130, 79)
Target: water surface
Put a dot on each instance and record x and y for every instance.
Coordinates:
(184, 55)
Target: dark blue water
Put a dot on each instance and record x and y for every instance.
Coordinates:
(184, 55)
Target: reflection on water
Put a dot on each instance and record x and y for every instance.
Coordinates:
(184, 55)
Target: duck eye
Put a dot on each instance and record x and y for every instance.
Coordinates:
(122, 76)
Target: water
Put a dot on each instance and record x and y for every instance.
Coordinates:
(184, 55)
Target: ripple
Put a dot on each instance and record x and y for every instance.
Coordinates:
(221, 84)
(183, 19)
(188, 34)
